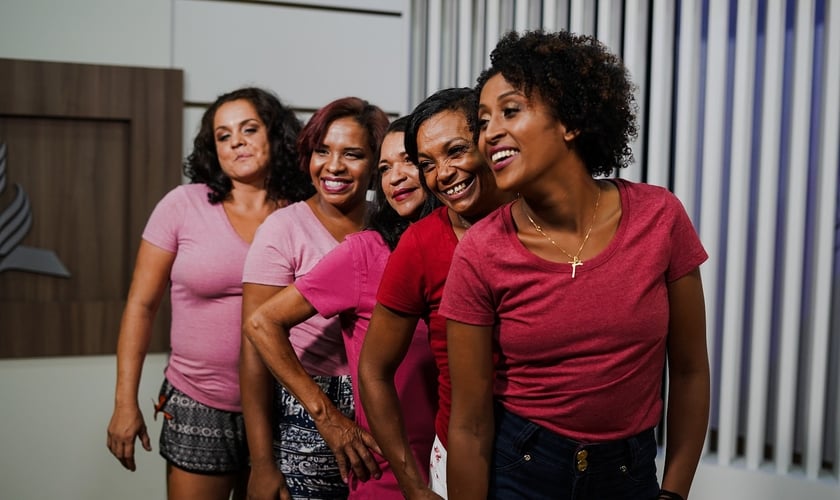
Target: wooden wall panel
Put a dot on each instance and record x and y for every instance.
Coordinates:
(94, 148)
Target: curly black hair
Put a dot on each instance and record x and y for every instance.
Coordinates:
(284, 181)
(586, 87)
(384, 219)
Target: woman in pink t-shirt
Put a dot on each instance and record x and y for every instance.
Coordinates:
(564, 305)
(344, 283)
(242, 168)
(303, 441)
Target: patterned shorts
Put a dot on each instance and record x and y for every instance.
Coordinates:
(200, 439)
(306, 461)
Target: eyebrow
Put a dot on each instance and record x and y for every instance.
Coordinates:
(243, 122)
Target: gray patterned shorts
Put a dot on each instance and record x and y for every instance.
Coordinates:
(198, 438)
(306, 461)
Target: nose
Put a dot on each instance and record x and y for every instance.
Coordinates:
(236, 140)
(491, 132)
(334, 164)
(445, 172)
(399, 172)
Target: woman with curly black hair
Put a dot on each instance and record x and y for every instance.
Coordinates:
(564, 305)
(244, 165)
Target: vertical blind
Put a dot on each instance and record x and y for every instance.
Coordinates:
(739, 115)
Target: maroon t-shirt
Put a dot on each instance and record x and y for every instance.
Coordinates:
(413, 284)
(581, 356)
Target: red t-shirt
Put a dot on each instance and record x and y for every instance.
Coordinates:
(413, 284)
(583, 357)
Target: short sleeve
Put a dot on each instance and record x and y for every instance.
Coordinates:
(403, 283)
(163, 225)
(333, 285)
(270, 259)
(467, 297)
(687, 251)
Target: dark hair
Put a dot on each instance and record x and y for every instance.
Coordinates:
(284, 180)
(384, 219)
(585, 87)
(463, 100)
(369, 116)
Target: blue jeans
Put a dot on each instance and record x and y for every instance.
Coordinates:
(532, 462)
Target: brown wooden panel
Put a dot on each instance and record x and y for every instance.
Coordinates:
(94, 148)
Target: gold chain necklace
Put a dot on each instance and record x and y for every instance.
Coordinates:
(575, 262)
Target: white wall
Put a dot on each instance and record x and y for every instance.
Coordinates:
(55, 411)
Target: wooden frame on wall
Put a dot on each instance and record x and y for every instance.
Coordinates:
(93, 148)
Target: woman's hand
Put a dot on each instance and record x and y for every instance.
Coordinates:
(266, 482)
(350, 444)
(126, 425)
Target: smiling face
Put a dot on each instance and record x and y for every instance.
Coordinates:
(518, 135)
(242, 144)
(340, 166)
(399, 177)
(454, 169)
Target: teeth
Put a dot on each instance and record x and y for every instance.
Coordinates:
(456, 189)
(334, 184)
(501, 155)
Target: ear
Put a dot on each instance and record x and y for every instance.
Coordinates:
(570, 135)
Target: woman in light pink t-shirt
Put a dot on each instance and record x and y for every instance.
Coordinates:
(301, 434)
(242, 168)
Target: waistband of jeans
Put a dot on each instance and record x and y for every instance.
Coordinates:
(559, 442)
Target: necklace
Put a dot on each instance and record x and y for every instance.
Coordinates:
(464, 222)
(575, 262)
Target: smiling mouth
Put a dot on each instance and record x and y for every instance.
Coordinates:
(458, 188)
(501, 155)
(401, 192)
(334, 185)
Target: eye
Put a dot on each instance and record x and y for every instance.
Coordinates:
(384, 167)
(321, 152)
(426, 166)
(458, 150)
(251, 130)
(510, 111)
(483, 120)
(354, 155)
(222, 137)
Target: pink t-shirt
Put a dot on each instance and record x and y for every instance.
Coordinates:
(287, 245)
(583, 357)
(413, 283)
(344, 284)
(206, 294)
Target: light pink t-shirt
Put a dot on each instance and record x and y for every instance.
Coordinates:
(344, 283)
(206, 294)
(582, 356)
(287, 245)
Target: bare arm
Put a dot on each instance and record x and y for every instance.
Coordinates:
(471, 423)
(256, 387)
(387, 340)
(151, 275)
(267, 329)
(688, 392)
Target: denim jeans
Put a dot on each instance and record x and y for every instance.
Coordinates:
(531, 462)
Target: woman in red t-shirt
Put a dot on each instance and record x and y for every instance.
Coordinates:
(440, 141)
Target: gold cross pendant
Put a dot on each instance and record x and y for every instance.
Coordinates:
(575, 262)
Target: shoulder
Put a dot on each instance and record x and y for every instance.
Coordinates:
(430, 224)
(288, 216)
(648, 197)
(365, 239)
(493, 226)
